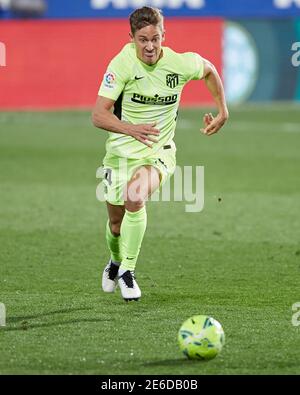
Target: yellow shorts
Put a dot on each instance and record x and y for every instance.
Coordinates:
(117, 171)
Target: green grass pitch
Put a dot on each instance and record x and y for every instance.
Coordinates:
(238, 260)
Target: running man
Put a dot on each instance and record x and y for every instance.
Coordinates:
(137, 104)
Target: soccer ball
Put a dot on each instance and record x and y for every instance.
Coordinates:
(201, 337)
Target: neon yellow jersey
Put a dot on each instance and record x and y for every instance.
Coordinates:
(146, 94)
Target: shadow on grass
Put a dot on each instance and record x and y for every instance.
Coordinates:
(45, 314)
(174, 362)
(21, 323)
(25, 325)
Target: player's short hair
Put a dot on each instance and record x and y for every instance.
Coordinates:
(146, 16)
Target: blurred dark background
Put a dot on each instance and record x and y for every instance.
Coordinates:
(53, 54)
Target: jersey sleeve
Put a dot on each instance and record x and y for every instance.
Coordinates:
(195, 66)
(114, 79)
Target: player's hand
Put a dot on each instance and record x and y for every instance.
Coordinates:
(144, 133)
(213, 125)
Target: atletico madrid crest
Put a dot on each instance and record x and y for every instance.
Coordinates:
(172, 80)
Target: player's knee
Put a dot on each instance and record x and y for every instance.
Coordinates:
(134, 197)
(134, 205)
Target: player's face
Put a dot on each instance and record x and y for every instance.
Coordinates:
(148, 42)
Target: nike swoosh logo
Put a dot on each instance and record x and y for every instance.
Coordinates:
(138, 78)
(130, 259)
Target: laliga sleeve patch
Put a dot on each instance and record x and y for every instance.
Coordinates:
(109, 80)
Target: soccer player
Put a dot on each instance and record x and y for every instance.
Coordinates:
(137, 104)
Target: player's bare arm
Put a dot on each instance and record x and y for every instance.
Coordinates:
(104, 118)
(214, 84)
